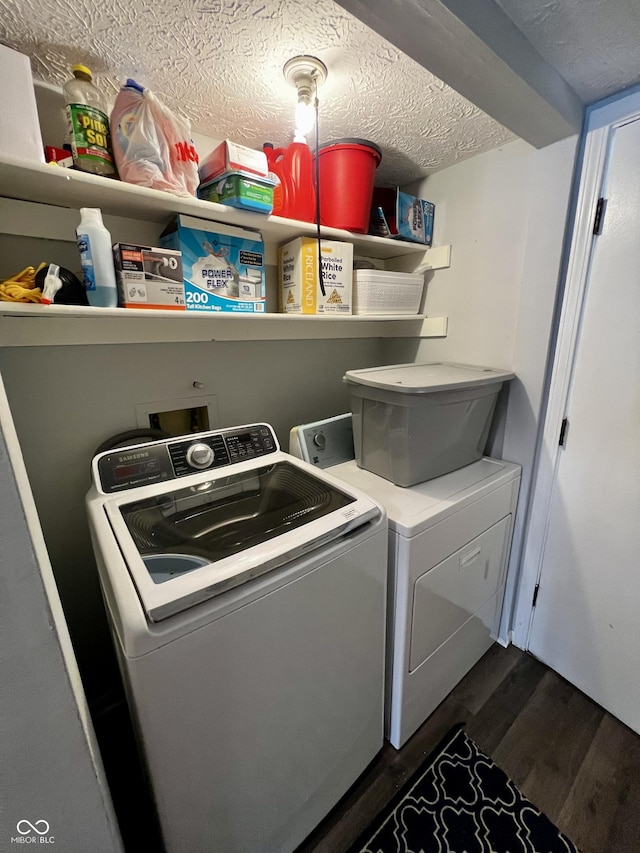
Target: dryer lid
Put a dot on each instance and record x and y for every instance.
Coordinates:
(417, 508)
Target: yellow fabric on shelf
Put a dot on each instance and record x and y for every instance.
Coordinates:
(22, 286)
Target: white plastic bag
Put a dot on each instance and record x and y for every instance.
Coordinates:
(152, 147)
(214, 272)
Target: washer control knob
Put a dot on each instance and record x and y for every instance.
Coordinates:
(319, 440)
(200, 455)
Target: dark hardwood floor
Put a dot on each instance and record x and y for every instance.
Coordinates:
(571, 758)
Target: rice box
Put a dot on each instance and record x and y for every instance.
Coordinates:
(223, 265)
(300, 289)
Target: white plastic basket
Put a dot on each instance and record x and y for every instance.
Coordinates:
(383, 292)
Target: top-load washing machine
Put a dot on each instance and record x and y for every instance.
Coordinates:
(449, 541)
(246, 593)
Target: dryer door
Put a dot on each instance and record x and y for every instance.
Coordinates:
(185, 545)
(453, 592)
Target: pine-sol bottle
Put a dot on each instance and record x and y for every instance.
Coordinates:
(88, 124)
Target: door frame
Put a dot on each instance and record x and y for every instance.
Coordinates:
(600, 123)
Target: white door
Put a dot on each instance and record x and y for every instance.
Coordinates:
(586, 622)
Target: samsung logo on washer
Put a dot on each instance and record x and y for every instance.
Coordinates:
(130, 456)
(33, 833)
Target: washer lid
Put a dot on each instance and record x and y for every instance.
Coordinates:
(426, 378)
(183, 544)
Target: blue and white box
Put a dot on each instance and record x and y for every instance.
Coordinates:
(223, 265)
(401, 216)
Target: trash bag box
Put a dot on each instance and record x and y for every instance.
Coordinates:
(223, 265)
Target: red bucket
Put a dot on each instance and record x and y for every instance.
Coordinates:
(347, 172)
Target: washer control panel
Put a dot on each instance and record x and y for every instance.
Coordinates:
(157, 461)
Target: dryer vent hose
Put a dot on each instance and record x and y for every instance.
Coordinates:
(131, 437)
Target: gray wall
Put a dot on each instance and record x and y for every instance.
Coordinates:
(50, 769)
(67, 400)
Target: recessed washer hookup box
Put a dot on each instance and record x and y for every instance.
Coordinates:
(223, 265)
(148, 277)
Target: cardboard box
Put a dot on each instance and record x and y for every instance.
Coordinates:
(148, 277)
(300, 291)
(223, 266)
(59, 156)
(19, 124)
(401, 216)
(231, 157)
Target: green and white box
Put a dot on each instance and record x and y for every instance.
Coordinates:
(223, 265)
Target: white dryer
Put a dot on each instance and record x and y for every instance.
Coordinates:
(246, 593)
(449, 541)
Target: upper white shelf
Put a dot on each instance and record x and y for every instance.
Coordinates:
(52, 185)
(56, 189)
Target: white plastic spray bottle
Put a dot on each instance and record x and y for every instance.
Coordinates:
(94, 244)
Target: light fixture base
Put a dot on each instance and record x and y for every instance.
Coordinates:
(305, 71)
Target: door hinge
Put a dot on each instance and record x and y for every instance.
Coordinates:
(599, 217)
(563, 431)
(535, 595)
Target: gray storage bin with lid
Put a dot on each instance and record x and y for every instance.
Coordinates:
(414, 422)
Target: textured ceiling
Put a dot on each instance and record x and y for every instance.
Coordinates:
(593, 44)
(220, 63)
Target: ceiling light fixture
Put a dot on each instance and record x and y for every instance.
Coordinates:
(306, 73)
